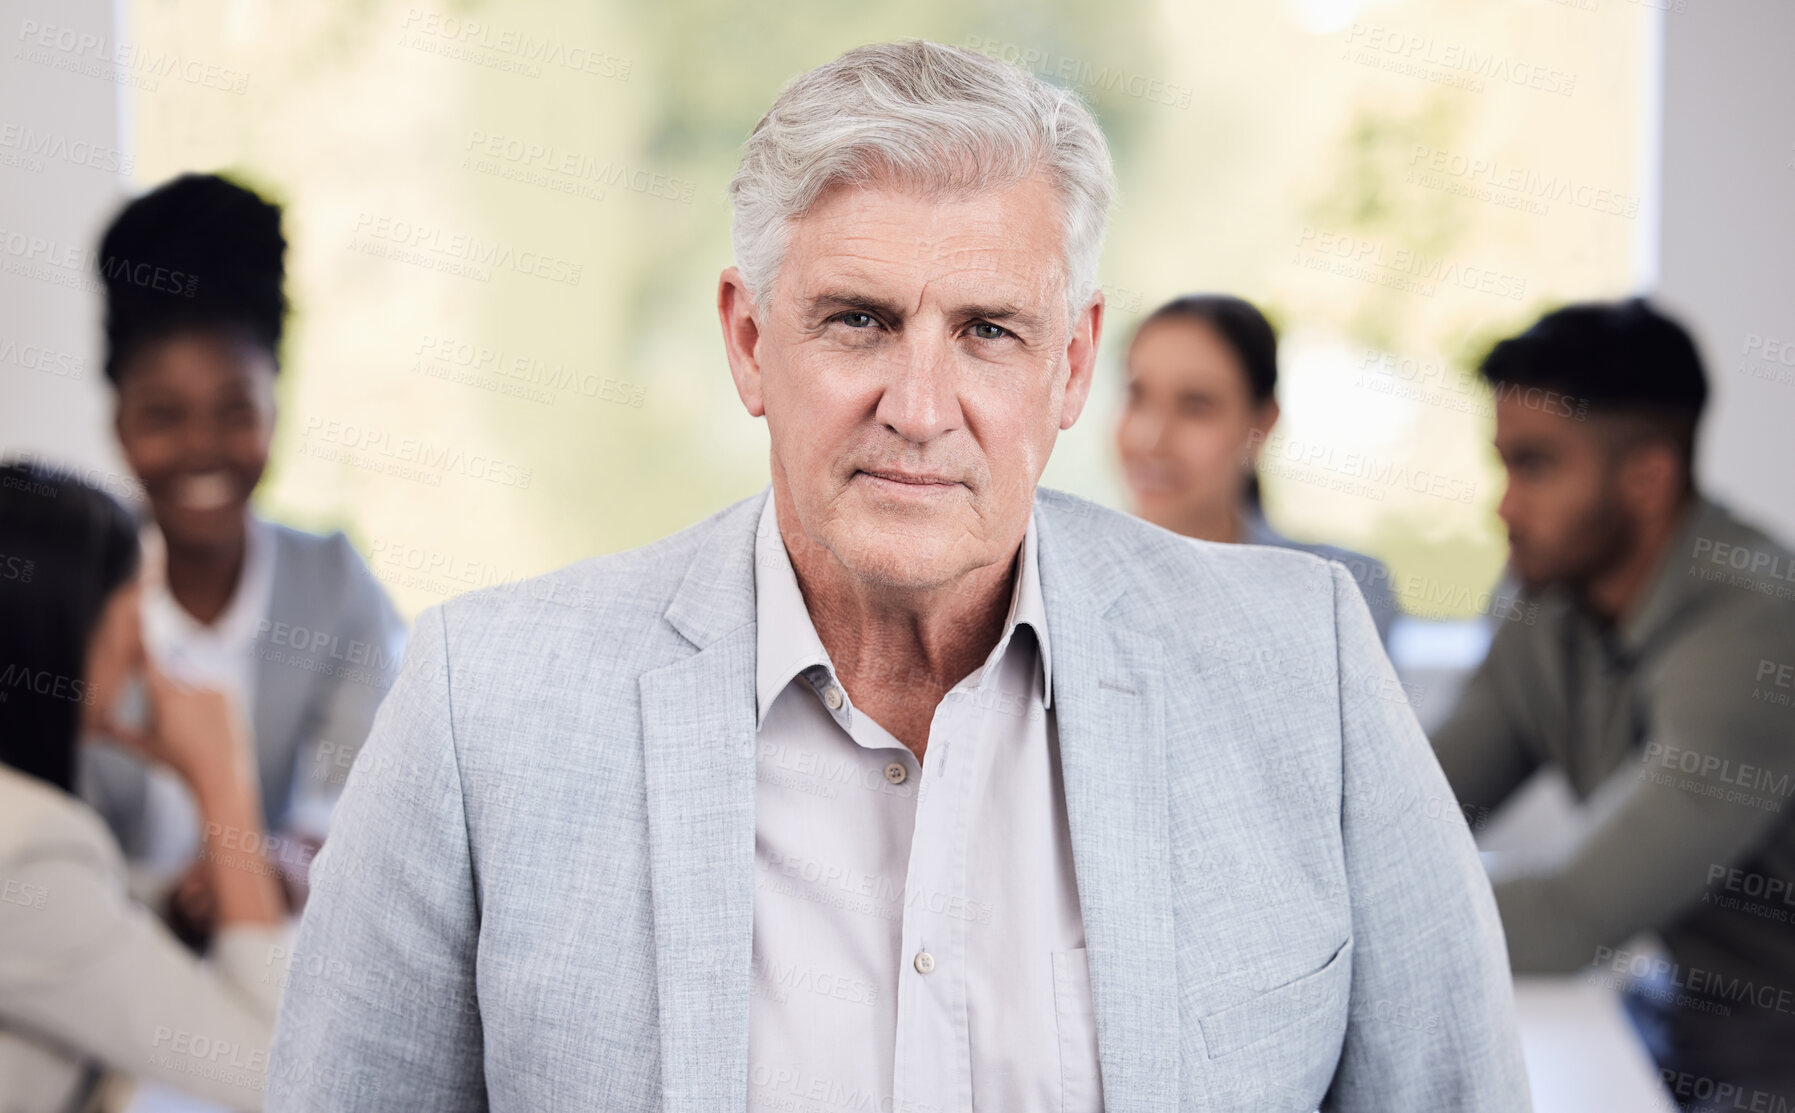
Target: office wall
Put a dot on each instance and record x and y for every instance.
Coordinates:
(64, 167)
(1726, 253)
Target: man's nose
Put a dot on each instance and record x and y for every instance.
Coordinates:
(1505, 508)
(921, 400)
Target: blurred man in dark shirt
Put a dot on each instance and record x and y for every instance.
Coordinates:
(1659, 679)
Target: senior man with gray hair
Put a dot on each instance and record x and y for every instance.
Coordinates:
(904, 785)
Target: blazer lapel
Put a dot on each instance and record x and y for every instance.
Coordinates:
(698, 742)
(1107, 699)
(698, 738)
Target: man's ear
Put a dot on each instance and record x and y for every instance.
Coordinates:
(740, 318)
(1651, 477)
(1081, 360)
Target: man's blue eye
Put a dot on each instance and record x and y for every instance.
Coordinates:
(857, 320)
(995, 333)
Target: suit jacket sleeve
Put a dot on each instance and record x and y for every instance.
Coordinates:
(380, 1010)
(1708, 789)
(87, 969)
(1481, 748)
(1432, 1022)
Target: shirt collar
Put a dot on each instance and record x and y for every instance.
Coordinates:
(786, 641)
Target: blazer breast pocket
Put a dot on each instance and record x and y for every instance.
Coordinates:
(1265, 1015)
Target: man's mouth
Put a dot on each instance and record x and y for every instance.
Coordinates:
(910, 479)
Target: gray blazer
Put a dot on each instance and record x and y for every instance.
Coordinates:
(538, 893)
(326, 653)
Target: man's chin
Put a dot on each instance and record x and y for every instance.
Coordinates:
(1532, 576)
(904, 553)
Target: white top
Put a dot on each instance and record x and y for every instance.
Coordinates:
(88, 976)
(220, 655)
(918, 943)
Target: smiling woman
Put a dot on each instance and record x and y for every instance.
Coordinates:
(193, 363)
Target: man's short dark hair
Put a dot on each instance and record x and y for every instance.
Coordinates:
(1614, 358)
(196, 253)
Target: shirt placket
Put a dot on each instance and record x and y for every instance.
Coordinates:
(933, 1063)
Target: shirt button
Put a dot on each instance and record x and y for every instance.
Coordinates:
(895, 772)
(832, 698)
(925, 962)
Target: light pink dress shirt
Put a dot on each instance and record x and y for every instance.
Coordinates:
(918, 944)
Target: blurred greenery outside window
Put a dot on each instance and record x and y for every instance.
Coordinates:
(507, 222)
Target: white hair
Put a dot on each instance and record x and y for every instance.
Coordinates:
(941, 118)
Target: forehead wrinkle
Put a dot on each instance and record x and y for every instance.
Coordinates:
(960, 290)
(978, 253)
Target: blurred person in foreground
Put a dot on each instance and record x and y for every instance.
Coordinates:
(1657, 678)
(92, 986)
(903, 784)
(1201, 401)
(290, 624)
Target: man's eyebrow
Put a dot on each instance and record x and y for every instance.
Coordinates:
(837, 301)
(998, 314)
(840, 301)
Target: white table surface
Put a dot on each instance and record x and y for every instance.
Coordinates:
(1582, 1053)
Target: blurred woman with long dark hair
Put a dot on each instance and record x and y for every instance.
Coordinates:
(91, 983)
(1202, 400)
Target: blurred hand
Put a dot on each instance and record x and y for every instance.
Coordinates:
(200, 733)
(192, 907)
(114, 656)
